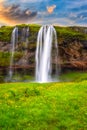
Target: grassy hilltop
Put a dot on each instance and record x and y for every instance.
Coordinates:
(64, 33)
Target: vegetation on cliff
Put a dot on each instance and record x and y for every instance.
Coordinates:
(64, 33)
(5, 58)
(72, 45)
(5, 33)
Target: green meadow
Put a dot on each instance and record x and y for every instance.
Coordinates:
(50, 106)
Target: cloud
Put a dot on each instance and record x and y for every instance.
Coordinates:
(14, 14)
(82, 15)
(30, 1)
(33, 1)
(1, 1)
(78, 16)
(43, 12)
(50, 9)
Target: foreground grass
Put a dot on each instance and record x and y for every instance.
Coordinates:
(53, 106)
(74, 76)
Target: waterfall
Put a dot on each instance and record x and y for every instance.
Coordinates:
(46, 38)
(14, 41)
(25, 35)
(24, 46)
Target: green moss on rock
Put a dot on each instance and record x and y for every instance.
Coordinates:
(5, 58)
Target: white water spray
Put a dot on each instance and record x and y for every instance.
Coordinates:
(25, 35)
(14, 41)
(46, 36)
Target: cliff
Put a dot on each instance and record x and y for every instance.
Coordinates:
(72, 45)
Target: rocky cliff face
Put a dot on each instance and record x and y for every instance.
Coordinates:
(71, 56)
(74, 55)
(72, 50)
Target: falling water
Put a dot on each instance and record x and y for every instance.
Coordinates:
(25, 35)
(14, 40)
(46, 36)
(24, 46)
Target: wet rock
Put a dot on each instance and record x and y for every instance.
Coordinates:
(72, 54)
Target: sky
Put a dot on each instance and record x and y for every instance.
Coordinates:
(56, 12)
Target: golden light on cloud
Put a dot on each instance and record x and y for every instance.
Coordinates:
(14, 14)
(50, 9)
(7, 21)
(1, 1)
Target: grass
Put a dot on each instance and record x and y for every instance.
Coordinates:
(67, 34)
(50, 106)
(5, 33)
(73, 76)
(5, 58)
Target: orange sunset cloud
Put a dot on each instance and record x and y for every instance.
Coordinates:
(50, 9)
(13, 14)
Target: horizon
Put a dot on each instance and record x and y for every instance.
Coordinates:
(43, 25)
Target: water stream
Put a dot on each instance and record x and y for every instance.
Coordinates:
(46, 38)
